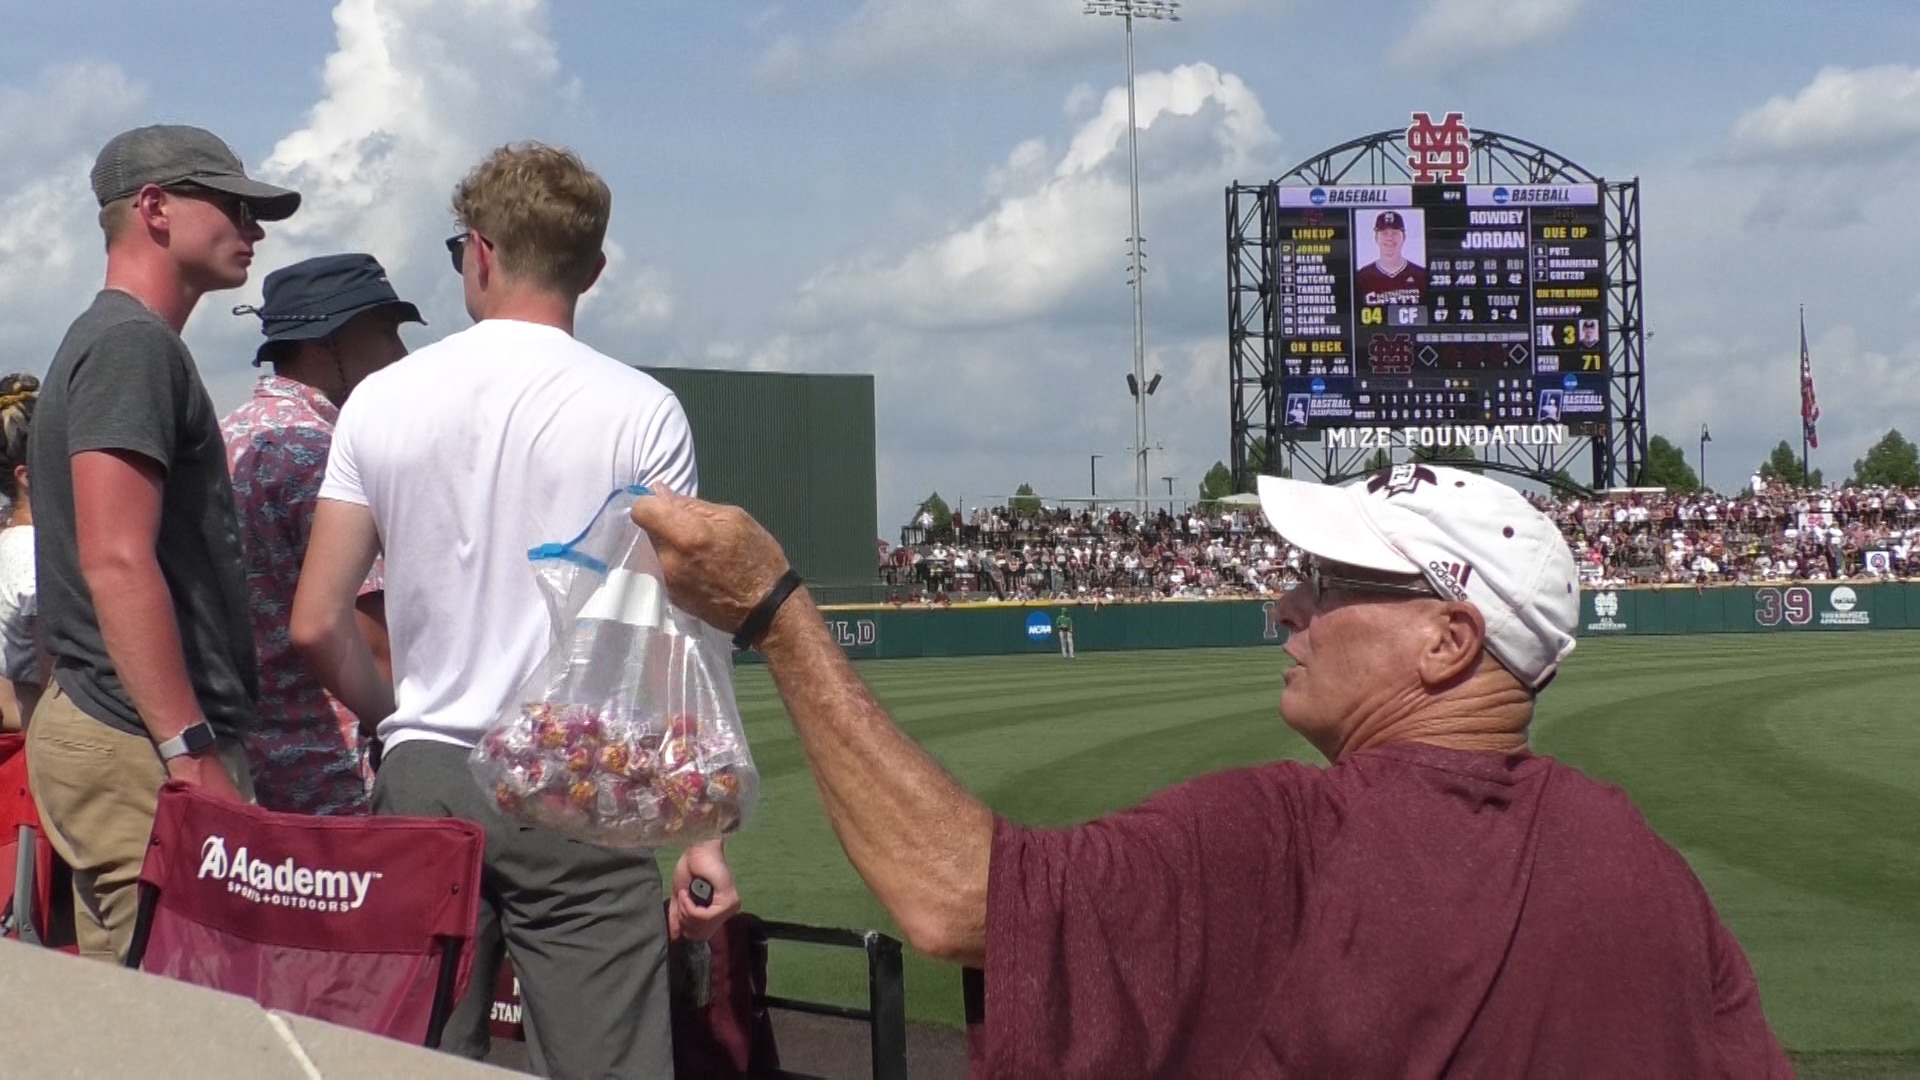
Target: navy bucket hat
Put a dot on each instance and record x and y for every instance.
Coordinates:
(314, 298)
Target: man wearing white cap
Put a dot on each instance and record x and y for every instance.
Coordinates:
(1439, 900)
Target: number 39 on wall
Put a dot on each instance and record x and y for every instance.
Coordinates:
(1771, 605)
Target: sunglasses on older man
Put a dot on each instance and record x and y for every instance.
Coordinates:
(1323, 578)
(457, 248)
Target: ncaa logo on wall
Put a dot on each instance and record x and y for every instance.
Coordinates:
(1500, 196)
(1039, 626)
(1318, 196)
(1846, 610)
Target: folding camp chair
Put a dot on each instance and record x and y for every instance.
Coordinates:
(722, 1028)
(366, 922)
(886, 1013)
(36, 894)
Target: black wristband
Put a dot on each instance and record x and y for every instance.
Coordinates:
(761, 617)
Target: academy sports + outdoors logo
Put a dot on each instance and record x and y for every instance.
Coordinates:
(284, 884)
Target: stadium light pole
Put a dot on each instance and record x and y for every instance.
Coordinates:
(1129, 10)
(1093, 474)
(1704, 440)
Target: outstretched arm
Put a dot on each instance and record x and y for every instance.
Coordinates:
(920, 841)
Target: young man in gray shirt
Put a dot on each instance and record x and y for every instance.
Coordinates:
(143, 600)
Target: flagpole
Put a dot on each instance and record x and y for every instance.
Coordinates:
(1805, 466)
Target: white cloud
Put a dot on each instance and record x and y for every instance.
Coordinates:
(952, 37)
(415, 93)
(629, 298)
(1842, 111)
(1864, 390)
(1449, 31)
(69, 110)
(50, 247)
(1000, 343)
(1058, 219)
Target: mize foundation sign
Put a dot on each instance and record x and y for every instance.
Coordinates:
(1367, 438)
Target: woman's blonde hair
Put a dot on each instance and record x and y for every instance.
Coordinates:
(18, 393)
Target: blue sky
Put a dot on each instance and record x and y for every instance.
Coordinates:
(934, 191)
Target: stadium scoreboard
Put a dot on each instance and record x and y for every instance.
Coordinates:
(1441, 305)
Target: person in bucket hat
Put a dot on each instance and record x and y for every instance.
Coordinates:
(1440, 900)
(143, 600)
(329, 322)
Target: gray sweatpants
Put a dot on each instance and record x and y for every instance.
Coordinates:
(585, 926)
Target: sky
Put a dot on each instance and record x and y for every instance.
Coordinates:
(935, 191)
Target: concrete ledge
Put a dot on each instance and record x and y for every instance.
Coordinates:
(65, 1017)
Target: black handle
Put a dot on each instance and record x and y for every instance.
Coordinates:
(702, 891)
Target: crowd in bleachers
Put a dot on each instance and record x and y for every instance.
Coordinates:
(1765, 532)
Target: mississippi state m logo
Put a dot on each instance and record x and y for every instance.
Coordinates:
(1390, 354)
(1439, 153)
(1402, 480)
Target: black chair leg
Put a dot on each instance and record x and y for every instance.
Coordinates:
(443, 993)
(887, 996)
(142, 925)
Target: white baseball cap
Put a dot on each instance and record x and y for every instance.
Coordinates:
(1474, 539)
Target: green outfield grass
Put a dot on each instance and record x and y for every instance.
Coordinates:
(1785, 767)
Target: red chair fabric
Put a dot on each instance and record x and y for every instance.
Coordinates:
(367, 922)
(17, 809)
(732, 1034)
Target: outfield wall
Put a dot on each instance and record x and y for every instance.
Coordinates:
(998, 629)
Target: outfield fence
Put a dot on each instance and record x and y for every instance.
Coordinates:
(988, 629)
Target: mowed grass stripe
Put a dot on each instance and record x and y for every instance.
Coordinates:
(1782, 765)
(1784, 768)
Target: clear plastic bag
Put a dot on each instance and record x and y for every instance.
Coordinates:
(628, 735)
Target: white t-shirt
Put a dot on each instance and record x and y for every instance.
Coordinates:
(470, 453)
(19, 604)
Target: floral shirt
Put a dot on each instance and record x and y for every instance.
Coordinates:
(306, 751)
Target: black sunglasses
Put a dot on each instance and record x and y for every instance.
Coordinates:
(237, 209)
(1320, 581)
(457, 249)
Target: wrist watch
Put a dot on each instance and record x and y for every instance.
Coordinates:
(192, 739)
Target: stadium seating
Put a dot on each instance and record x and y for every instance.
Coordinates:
(1635, 537)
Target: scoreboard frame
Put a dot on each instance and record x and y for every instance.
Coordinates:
(1441, 304)
(1614, 441)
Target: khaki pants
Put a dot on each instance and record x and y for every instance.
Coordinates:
(96, 788)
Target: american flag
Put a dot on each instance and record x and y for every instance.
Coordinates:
(1809, 405)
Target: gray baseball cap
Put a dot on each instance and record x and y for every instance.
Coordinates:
(173, 155)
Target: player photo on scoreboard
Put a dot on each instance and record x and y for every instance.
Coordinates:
(1390, 248)
(1296, 410)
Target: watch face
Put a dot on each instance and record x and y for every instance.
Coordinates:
(199, 737)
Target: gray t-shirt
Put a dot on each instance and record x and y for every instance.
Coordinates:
(123, 380)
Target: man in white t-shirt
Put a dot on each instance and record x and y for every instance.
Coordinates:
(453, 464)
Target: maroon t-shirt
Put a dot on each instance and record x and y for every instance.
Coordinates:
(1411, 911)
